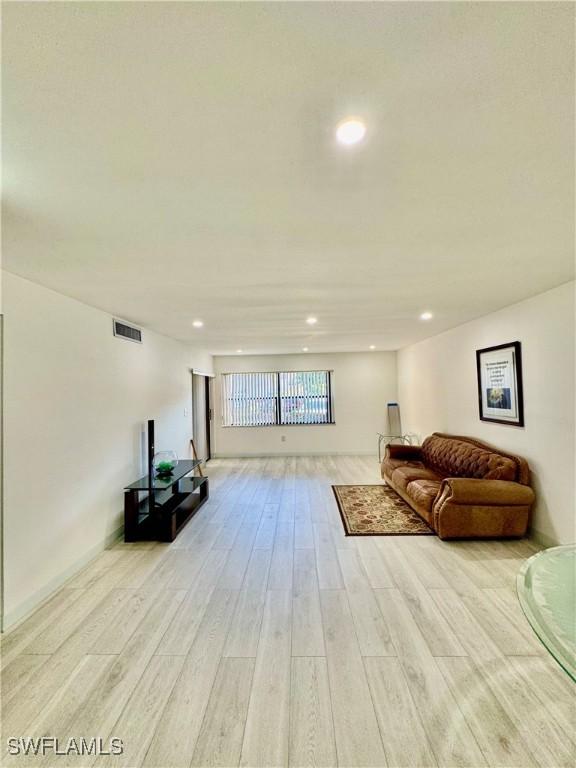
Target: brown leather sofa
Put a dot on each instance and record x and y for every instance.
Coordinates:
(462, 487)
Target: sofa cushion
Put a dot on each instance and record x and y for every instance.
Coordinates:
(402, 476)
(450, 457)
(389, 465)
(423, 493)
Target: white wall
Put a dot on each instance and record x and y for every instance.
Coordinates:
(200, 361)
(362, 384)
(437, 392)
(76, 404)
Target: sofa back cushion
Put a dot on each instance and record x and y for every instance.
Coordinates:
(454, 457)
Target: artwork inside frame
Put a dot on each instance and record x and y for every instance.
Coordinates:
(500, 396)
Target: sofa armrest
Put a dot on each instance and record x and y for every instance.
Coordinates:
(465, 490)
(404, 452)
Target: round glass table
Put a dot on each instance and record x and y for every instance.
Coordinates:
(546, 588)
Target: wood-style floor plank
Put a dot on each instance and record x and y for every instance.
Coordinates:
(311, 726)
(142, 712)
(182, 630)
(329, 576)
(405, 740)
(25, 633)
(358, 740)
(256, 575)
(220, 739)
(17, 675)
(266, 734)
(555, 689)
(448, 732)
(282, 565)
(54, 719)
(53, 674)
(175, 737)
(267, 527)
(244, 632)
(75, 617)
(524, 704)
(102, 708)
(440, 639)
(371, 630)
(234, 569)
(377, 573)
(113, 639)
(307, 631)
(496, 734)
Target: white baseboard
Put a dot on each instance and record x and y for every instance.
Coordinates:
(275, 454)
(22, 612)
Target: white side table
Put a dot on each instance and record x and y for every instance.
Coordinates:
(387, 439)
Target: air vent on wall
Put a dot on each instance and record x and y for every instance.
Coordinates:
(129, 332)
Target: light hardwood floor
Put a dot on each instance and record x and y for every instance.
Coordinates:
(265, 637)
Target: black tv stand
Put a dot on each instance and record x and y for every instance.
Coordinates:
(170, 503)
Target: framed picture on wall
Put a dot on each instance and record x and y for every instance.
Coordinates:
(499, 372)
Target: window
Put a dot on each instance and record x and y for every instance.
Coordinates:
(305, 397)
(284, 397)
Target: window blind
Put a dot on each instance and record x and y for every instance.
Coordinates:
(281, 397)
(250, 399)
(304, 397)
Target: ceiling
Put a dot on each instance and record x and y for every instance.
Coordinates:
(174, 161)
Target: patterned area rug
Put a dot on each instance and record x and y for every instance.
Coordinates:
(377, 510)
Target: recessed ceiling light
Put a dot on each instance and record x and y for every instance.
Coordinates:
(372, 346)
(350, 131)
(426, 316)
(304, 349)
(239, 351)
(198, 323)
(311, 320)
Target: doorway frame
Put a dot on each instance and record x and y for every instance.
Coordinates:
(208, 413)
(208, 416)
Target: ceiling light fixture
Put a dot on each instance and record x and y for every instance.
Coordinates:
(426, 316)
(311, 320)
(198, 323)
(350, 131)
(372, 347)
(304, 349)
(238, 351)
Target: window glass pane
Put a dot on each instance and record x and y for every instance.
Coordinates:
(249, 399)
(285, 397)
(304, 397)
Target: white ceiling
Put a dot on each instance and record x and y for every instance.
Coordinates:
(173, 161)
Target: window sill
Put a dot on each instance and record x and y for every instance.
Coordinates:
(278, 426)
